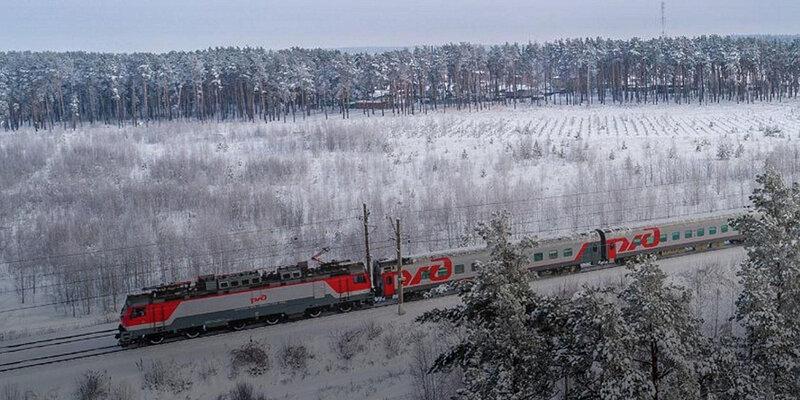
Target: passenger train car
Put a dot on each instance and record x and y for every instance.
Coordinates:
(235, 300)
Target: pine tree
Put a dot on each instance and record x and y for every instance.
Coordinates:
(506, 350)
(595, 350)
(667, 343)
(768, 307)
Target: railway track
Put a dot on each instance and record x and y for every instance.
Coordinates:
(95, 351)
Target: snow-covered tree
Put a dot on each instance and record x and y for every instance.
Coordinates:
(595, 350)
(769, 304)
(505, 350)
(667, 343)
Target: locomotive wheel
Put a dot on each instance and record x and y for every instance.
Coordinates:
(314, 312)
(192, 333)
(345, 307)
(272, 319)
(238, 325)
(155, 339)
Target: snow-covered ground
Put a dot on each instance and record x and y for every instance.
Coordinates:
(383, 360)
(174, 200)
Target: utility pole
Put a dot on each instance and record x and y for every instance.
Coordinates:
(366, 244)
(400, 279)
(663, 19)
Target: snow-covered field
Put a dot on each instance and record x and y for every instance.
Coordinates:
(154, 203)
(382, 360)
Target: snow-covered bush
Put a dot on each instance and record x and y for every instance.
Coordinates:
(347, 343)
(251, 357)
(164, 376)
(242, 391)
(294, 357)
(372, 329)
(93, 385)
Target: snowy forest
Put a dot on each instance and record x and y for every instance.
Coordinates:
(638, 339)
(48, 89)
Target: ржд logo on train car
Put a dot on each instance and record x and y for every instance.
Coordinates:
(622, 244)
(258, 299)
(440, 270)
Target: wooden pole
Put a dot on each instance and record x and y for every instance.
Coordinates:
(366, 244)
(400, 279)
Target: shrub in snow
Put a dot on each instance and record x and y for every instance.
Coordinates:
(771, 131)
(392, 341)
(242, 391)
(347, 343)
(294, 357)
(93, 385)
(372, 330)
(164, 376)
(251, 357)
(724, 150)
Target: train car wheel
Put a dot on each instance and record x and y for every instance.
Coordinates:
(272, 319)
(314, 312)
(238, 325)
(155, 339)
(192, 333)
(345, 307)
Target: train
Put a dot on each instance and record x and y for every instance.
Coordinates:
(234, 301)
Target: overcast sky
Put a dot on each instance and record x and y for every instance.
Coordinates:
(161, 25)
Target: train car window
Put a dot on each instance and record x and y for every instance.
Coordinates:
(473, 267)
(459, 268)
(663, 237)
(568, 252)
(724, 228)
(712, 230)
(538, 257)
(296, 274)
(553, 254)
(137, 312)
(676, 236)
(245, 281)
(701, 232)
(286, 275)
(687, 234)
(234, 283)
(223, 284)
(426, 275)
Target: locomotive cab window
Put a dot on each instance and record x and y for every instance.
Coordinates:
(137, 312)
(538, 257)
(459, 268)
(651, 239)
(359, 279)
(712, 230)
(426, 275)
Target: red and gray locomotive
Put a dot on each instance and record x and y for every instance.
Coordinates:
(235, 300)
